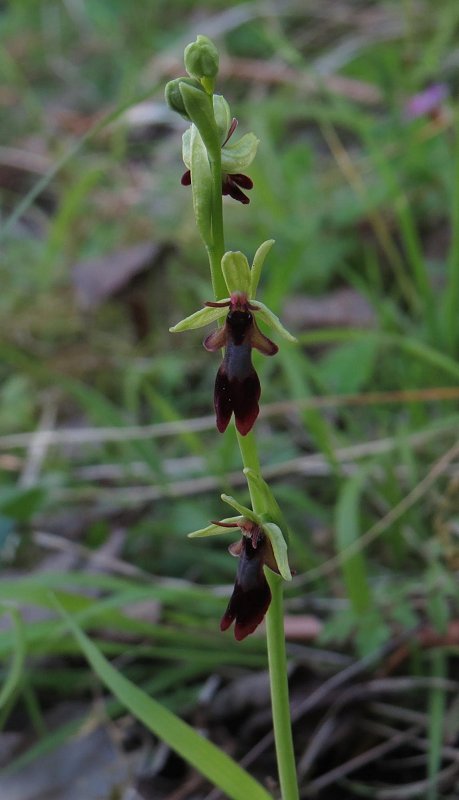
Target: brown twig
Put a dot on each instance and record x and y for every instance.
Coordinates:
(79, 436)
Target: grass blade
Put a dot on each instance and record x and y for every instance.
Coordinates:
(347, 518)
(203, 755)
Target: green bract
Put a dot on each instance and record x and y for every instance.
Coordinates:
(273, 511)
(174, 98)
(199, 108)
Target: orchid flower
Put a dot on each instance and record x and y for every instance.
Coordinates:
(262, 545)
(237, 387)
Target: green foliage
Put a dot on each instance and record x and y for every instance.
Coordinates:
(202, 754)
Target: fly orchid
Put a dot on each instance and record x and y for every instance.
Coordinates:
(262, 545)
(237, 387)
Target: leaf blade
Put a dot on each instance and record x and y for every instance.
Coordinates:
(202, 754)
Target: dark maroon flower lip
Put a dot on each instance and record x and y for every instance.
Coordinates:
(237, 386)
(230, 185)
(251, 596)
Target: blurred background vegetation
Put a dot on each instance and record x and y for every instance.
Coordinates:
(108, 449)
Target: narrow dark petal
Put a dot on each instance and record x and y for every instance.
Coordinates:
(232, 128)
(231, 189)
(224, 524)
(216, 340)
(217, 304)
(242, 180)
(186, 178)
(251, 595)
(261, 342)
(235, 549)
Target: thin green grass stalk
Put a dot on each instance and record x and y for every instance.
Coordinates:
(347, 526)
(377, 221)
(452, 287)
(413, 347)
(410, 239)
(33, 709)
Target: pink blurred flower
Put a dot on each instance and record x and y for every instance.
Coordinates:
(426, 103)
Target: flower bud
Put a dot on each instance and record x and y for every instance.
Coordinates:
(174, 98)
(201, 58)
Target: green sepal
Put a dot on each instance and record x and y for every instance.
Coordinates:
(214, 530)
(222, 114)
(199, 107)
(246, 512)
(236, 272)
(236, 157)
(200, 318)
(279, 546)
(265, 314)
(257, 265)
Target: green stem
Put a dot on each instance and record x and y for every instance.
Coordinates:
(277, 658)
(275, 639)
(249, 453)
(278, 678)
(217, 248)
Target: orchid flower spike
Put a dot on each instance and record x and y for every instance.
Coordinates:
(237, 386)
